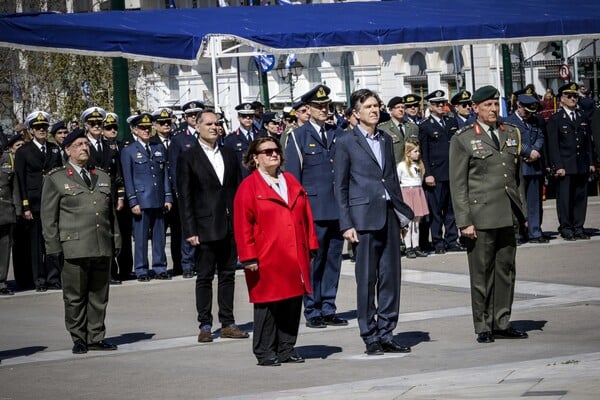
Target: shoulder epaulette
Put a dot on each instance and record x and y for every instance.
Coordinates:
(52, 171)
(464, 129)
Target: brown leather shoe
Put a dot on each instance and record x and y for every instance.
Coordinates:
(233, 332)
(205, 336)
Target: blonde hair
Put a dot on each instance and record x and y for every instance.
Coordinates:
(409, 146)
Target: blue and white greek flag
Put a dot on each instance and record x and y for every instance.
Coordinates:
(290, 60)
(265, 62)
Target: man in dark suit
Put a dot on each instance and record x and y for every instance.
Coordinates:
(309, 153)
(32, 161)
(435, 133)
(79, 223)
(570, 151)
(240, 139)
(399, 129)
(532, 166)
(207, 179)
(462, 105)
(372, 214)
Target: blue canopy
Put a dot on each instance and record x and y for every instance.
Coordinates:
(182, 35)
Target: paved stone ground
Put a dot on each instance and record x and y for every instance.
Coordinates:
(557, 299)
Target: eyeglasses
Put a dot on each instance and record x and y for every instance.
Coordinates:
(40, 128)
(94, 123)
(144, 128)
(164, 122)
(270, 152)
(412, 106)
(465, 105)
(111, 128)
(570, 96)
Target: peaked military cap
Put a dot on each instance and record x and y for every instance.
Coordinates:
(570, 87)
(271, 117)
(191, 107)
(394, 101)
(57, 126)
(411, 99)
(485, 93)
(111, 119)
(528, 102)
(71, 137)
(14, 139)
(436, 95)
(464, 96)
(297, 105)
(163, 114)
(245, 109)
(38, 119)
(144, 119)
(319, 95)
(93, 114)
(257, 104)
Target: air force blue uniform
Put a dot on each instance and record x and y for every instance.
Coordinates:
(238, 142)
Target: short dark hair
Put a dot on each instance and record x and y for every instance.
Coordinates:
(253, 151)
(360, 96)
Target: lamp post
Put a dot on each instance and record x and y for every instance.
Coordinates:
(290, 75)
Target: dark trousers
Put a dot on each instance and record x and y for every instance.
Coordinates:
(219, 256)
(123, 268)
(571, 203)
(21, 249)
(85, 294)
(443, 225)
(6, 232)
(491, 258)
(533, 196)
(378, 273)
(325, 270)
(276, 328)
(173, 221)
(45, 270)
(151, 221)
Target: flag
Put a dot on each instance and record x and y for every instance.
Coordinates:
(172, 4)
(285, 2)
(290, 60)
(223, 3)
(265, 62)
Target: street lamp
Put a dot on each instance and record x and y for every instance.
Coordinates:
(290, 75)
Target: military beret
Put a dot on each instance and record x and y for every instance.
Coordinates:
(192, 107)
(245, 109)
(57, 126)
(394, 101)
(163, 114)
(436, 96)
(411, 99)
(14, 139)
(298, 104)
(111, 119)
(271, 117)
(463, 96)
(71, 137)
(93, 114)
(144, 119)
(37, 118)
(485, 93)
(319, 95)
(570, 87)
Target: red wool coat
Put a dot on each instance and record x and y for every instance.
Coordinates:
(278, 235)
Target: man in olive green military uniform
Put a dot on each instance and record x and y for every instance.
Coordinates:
(399, 129)
(487, 199)
(79, 222)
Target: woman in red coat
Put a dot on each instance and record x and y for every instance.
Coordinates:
(274, 234)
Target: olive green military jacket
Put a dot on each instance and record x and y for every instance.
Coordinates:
(485, 183)
(411, 132)
(78, 221)
(10, 198)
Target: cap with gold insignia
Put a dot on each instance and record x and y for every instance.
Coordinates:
(485, 93)
(318, 95)
(57, 126)
(191, 107)
(464, 96)
(93, 114)
(144, 119)
(271, 117)
(71, 137)
(111, 119)
(394, 101)
(38, 119)
(245, 109)
(436, 96)
(411, 99)
(570, 87)
(163, 115)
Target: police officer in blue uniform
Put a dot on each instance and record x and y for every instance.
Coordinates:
(149, 196)
(240, 139)
(412, 105)
(533, 165)
(435, 133)
(190, 113)
(462, 106)
(309, 153)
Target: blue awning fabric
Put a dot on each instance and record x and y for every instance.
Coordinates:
(182, 35)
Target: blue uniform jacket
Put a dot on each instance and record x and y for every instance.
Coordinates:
(179, 143)
(532, 138)
(238, 142)
(435, 146)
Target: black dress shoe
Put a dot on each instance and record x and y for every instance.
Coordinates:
(114, 281)
(187, 275)
(568, 237)
(102, 346)
(440, 251)
(334, 320)
(6, 292)
(581, 235)
(163, 276)
(420, 253)
(510, 333)
(374, 349)
(538, 240)
(293, 359)
(393, 347)
(79, 347)
(270, 362)
(54, 286)
(455, 248)
(316, 322)
(485, 337)
(143, 278)
(410, 253)
(41, 288)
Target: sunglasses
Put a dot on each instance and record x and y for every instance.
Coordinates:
(164, 122)
(111, 128)
(246, 116)
(94, 123)
(40, 128)
(465, 105)
(412, 106)
(270, 152)
(570, 96)
(438, 103)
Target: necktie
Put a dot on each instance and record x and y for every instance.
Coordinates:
(148, 151)
(249, 137)
(323, 136)
(86, 177)
(43, 151)
(572, 116)
(99, 146)
(166, 143)
(442, 122)
(495, 138)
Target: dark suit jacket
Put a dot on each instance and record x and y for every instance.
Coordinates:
(109, 161)
(569, 142)
(532, 138)
(435, 146)
(360, 183)
(206, 205)
(30, 167)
